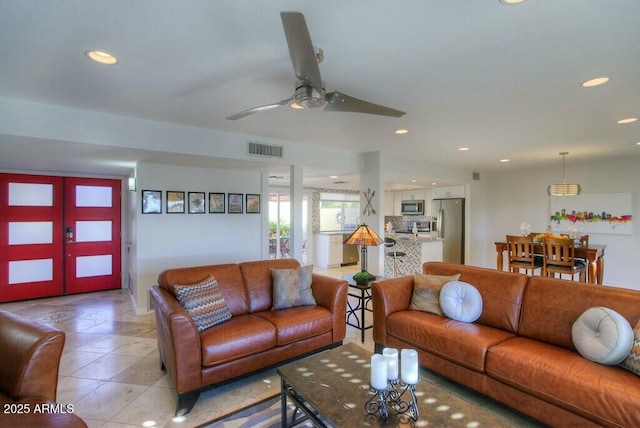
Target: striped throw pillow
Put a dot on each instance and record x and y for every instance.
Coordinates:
(204, 302)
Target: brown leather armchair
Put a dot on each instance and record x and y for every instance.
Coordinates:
(29, 361)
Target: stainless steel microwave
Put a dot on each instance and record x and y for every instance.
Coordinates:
(412, 207)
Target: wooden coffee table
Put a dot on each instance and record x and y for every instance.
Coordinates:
(332, 387)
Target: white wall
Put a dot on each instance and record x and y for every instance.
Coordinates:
(516, 196)
(164, 241)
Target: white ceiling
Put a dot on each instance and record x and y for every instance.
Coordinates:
(502, 80)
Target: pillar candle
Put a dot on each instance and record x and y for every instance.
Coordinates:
(379, 371)
(409, 366)
(392, 362)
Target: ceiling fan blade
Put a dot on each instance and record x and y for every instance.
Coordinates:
(254, 110)
(301, 51)
(338, 101)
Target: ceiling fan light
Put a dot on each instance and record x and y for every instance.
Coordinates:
(563, 189)
(296, 106)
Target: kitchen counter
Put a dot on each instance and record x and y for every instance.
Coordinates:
(418, 250)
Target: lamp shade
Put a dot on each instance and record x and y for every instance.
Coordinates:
(563, 189)
(365, 236)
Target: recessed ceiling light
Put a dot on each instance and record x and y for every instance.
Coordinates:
(511, 1)
(627, 120)
(333, 176)
(434, 183)
(463, 149)
(401, 131)
(504, 160)
(102, 57)
(595, 82)
(638, 143)
(413, 181)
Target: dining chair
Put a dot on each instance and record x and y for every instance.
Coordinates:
(522, 255)
(394, 256)
(559, 257)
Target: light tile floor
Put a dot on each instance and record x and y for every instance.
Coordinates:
(110, 368)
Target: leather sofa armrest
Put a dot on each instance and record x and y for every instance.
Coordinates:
(332, 294)
(30, 353)
(389, 296)
(178, 341)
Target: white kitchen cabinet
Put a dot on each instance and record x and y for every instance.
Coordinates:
(413, 195)
(448, 192)
(428, 195)
(397, 203)
(328, 252)
(389, 208)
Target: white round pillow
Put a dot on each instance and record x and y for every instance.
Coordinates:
(603, 336)
(460, 301)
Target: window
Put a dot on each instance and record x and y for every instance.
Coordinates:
(339, 211)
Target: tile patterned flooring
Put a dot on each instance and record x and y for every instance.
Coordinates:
(110, 368)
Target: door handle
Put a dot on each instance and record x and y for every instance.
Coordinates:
(69, 235)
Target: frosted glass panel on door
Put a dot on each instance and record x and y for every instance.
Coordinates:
(32, 232)
(30, 195)
(92, 231)
(93, 196)
(93, 266)
(30, 271)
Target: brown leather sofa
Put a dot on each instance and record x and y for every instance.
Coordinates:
(29, 360)
(254, 338)
(520, 351)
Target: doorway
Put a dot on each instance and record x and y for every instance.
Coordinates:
(280, 225)
(58, 235)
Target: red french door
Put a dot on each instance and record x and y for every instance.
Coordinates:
(30, 216)
(92, 234)
(58, 236)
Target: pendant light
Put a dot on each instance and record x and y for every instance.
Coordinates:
(563, 189)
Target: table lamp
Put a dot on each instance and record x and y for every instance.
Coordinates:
(365, 237)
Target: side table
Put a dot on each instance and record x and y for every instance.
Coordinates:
(362, 294)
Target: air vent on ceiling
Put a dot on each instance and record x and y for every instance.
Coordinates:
(476, 176)
(259, 149)
(340, 182)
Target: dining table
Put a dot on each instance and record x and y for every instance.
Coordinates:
(592, 253)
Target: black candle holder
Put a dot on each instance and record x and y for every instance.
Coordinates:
(399, 396)
(377, 404)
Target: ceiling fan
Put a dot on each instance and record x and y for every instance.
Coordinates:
(310, 91)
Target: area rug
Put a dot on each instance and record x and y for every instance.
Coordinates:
(263, 414)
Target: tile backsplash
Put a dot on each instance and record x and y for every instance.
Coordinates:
(404, 222)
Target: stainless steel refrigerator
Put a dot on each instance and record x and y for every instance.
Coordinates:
(448, 221)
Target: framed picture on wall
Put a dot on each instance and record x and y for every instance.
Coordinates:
(216, 203)
(197, 202)
(152, 202)
(253, 204)
(175, 202)
(235, 203)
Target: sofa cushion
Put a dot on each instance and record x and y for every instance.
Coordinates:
(426, 292)
(632, 362)
(604, 394)
(259, 283)
(239, 337)
(460, 342)
(502, 292)
(551, 306)
(292, 287)
(229, 278)
(204, 302)
(602, 335)
(461, 301)
(298, 323)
